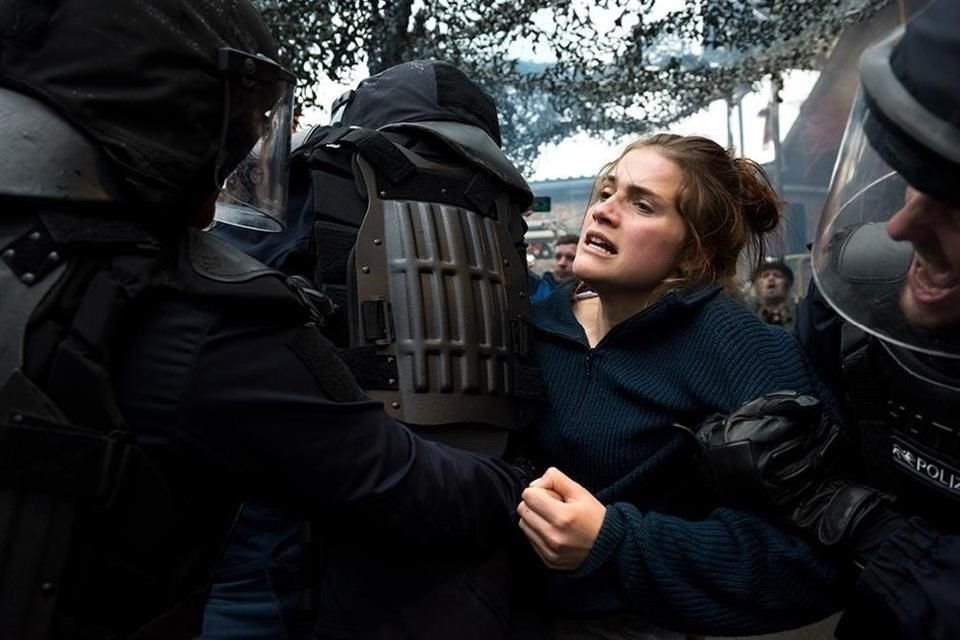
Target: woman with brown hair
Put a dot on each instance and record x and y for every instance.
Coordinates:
(650, 337)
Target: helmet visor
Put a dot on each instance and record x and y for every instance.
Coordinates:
(860, 270)
(260, 105)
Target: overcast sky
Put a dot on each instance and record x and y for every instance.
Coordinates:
(583, 156)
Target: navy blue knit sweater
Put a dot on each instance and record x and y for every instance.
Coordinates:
(665, 550)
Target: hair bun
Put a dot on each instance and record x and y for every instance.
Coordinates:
(761, 205)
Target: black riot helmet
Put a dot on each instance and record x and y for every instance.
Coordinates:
(900, 156)
(173, 93)
(435, 99)
(418, 91)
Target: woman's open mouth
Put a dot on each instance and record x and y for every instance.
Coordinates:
(598, 243)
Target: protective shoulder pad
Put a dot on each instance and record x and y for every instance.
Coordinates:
(218, 261)
(46, 157)
(212, 268)
(473, 144)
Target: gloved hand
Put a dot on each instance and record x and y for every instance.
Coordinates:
(779, 450)
(772, 450)
(840, 513)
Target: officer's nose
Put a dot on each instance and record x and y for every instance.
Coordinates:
(915, 219)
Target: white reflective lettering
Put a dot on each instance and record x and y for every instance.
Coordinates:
(933, 471)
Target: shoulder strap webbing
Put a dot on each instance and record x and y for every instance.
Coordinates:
(374, 146)
(320, 358)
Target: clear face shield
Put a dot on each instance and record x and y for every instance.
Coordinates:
(259, 107)
(860, 270)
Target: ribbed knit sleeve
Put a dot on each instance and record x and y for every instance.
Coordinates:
(748, 358)
(664, 550)
(731, 573)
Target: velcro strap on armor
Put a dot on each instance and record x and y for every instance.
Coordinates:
(376, 148)
(334, 243)
(335, 197)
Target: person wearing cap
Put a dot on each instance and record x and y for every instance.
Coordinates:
(772, 284)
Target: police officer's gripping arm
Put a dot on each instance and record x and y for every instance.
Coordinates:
(241, 394)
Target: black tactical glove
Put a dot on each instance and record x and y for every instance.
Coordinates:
(777, 450)
(772, 450)
(856, 518)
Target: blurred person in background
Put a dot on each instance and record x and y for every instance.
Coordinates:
(773, 284)
(564, 252)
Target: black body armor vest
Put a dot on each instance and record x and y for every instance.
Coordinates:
(94, 541)
(907, 426)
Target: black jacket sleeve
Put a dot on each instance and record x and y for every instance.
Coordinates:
(242, 397)
(909, 590)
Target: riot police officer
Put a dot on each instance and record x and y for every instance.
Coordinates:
(886, 258)
(161, 376)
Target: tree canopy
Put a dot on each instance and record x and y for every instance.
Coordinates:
(606, 67)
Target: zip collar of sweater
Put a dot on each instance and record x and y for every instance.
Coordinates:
(554, 314)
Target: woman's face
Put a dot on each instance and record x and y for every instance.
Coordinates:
(632, 235)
